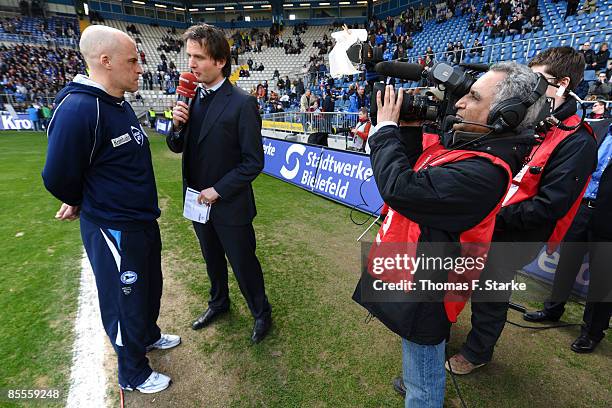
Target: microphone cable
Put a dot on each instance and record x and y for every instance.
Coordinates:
(450, 370)
(364, 204)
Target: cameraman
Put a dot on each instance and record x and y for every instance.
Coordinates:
(541, 207)
(451, 195)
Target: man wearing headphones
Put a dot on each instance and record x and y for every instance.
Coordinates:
(441, 198)
(540, 205)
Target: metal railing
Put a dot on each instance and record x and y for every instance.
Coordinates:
(336, 125)
(310, 122)
(12, 99)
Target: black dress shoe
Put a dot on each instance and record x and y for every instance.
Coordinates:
(206, 318)
(539, 316)
(260, 329)
(399, 387)
(584, 344)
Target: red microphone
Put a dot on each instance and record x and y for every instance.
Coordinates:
(187, 85)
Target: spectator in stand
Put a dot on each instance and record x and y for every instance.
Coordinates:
(143, 60)
(505, 9)
(358, 100)
(328, 102)
(599, 111)
(538, 24)
(588, 7)
(459, 52)
(361, 131)
(589, 55)
(601, 57)
(600, 89)
(516, 26)
(306, 101)
(450, 52)
(528, 26)
(280, 84)
(299, 88)
(498, 29)
(476, 48)
(572, 7)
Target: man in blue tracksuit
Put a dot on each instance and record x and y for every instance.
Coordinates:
(99, 165)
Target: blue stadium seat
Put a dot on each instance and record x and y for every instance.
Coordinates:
(589, 75)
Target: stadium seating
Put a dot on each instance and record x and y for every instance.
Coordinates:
(519, 48)
(30, 28)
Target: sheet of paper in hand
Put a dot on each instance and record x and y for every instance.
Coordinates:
(193, 210)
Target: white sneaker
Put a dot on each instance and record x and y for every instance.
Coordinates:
(166, 341)
(155, 383)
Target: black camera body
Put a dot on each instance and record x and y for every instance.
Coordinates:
(454, 82)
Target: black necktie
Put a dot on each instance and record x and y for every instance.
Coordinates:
(205, 93)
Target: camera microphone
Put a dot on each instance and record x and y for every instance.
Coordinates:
(401, 70)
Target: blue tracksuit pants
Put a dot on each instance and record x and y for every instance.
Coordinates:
(127, 268)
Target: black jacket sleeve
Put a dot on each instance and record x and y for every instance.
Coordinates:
(176, 140)
(452, 197)
(562, 181)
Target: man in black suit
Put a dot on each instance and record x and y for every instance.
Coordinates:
(220, 138)
(591, 232)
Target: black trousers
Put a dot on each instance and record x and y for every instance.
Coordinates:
(489, 318)
(238, 244)
(490, 310)
(580, 241)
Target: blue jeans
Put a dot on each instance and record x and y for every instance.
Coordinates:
(424, 374)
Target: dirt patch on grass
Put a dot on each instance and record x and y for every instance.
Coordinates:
(197, 377)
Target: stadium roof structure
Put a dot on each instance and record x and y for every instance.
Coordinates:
(244, 4)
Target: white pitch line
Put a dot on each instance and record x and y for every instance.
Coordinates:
(87, 376)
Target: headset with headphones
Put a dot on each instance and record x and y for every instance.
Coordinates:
(510, 113)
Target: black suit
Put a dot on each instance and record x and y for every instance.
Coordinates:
(222, 148)
(591, 232)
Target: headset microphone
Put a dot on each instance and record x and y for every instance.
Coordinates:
(450, 119)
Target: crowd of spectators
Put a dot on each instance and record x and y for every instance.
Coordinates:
(32, 73)
(255, 39)
(601, 87)
(507, 17)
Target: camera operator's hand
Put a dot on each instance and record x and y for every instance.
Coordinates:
(390, 110)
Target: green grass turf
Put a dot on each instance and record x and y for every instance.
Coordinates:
(39, 272)
(320, 352)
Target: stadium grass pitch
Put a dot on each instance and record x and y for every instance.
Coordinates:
(320, 352)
